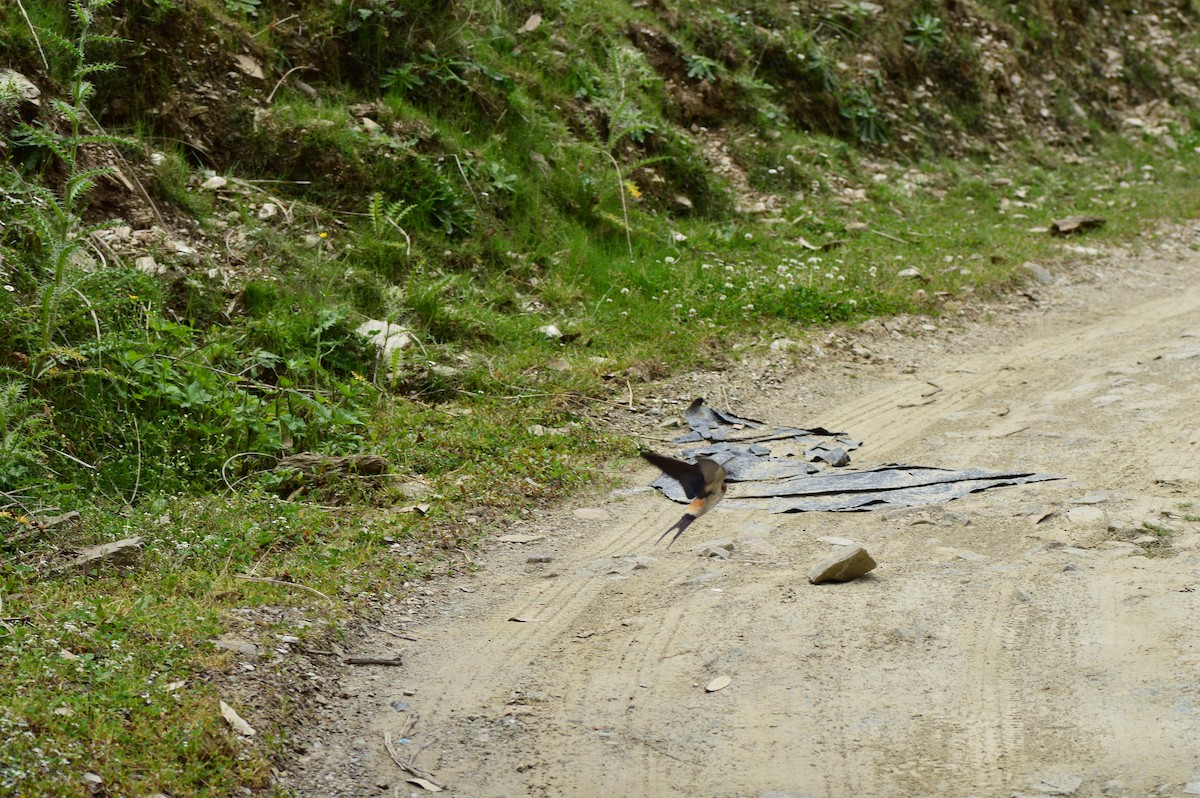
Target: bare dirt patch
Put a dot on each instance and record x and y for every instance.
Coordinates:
(1021, 640)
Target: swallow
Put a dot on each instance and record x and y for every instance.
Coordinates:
(703, 483)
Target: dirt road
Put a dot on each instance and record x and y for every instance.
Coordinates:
(987, 655)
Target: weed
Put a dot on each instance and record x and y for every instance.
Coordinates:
(700, 68)
(52, 227)
(24, 430)
(402, 79)
(927, 34)
(246, 7)
(859, 108)
(629, 75)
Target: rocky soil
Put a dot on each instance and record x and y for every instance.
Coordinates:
(1030, 640)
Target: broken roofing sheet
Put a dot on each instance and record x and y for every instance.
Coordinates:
(775, 468)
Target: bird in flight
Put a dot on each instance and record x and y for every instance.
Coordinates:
(703, 483)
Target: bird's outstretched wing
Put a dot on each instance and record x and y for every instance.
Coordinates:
(689, 476)
(703, 483)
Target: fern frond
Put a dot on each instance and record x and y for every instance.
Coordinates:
(375, 212)
(43, 137)
(81, 92)
(104, 38)
(398, 210)
(77, 187)
(96, 69)
(58, 40)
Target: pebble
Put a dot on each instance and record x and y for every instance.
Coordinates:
(539, 558)
(843, 565)
(146, 264)
(1040, 273)
(718, 683)
(836, 541)
(725, 544)
(1085, 514)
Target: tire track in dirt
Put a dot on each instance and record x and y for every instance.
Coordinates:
(983, 655)
(891, 419)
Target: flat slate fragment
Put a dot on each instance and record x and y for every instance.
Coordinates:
(845, 564)
(792, 485)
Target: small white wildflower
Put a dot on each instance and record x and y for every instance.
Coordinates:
(624, 290)
(679, 237)
(749, 236)
(668, 260)
(9, 288)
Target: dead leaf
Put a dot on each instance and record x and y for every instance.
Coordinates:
(248, 65)
(235, 721)
(424, 784)
(1038, 518)
(423, 509)
(520, 619)
(802, 241)
(531, 24)
(718, 683)
(519, 538)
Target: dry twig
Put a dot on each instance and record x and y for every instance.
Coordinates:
(296, 585)
(409, 764)
(396, 660)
